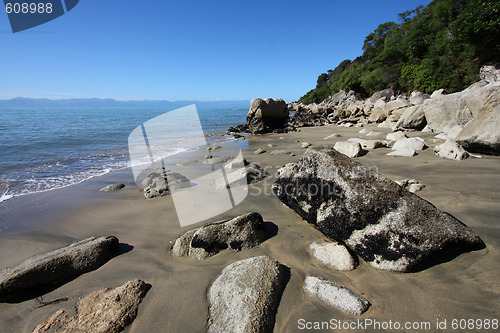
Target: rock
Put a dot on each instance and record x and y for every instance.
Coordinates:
(280, 152)
(385, 95)
(411, 185)
(398, 103)
(236, 163)
(333, 254)
(381, 222)
(489, 73)
(333, 136)
(350, 149)
(417, 97)
(271, 145)
(304, 145)
(369, 144)
(253, 173)
(156, 185)
(412, 118)
(416, 144)
(218, 160)
(112, 187)
(396, 136)
(364, 131)
(403, 152)
(267, 114)
(281, 170)
(214, 147)
(245, 297)
(259, 151)
(482, 134)
(377, 116)
(443, 112)
(56, 267)
(372, 133)
(452, 150)
(387, 124)
(240, 233)
(106, 310)
(335, 295)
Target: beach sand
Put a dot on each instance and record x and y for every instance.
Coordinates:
(465, 287)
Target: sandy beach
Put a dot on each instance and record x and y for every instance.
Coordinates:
(464, 287)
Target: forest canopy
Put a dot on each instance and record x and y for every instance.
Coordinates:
(440, 46)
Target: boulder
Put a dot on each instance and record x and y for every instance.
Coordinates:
(335, 295)
(418, 98)
(218, 159)
(157, 185)
(56, 267)
(350, 149)
(369, 144)
(333, 254)
(333, 136)
(451, 150)
(377, 116)
(213, 147)
(305, 145)
(267, 114)
(380, 221)
(396, 136)
(240, 233)
(259, 151)
(396, 104)
(416, 144)
(403, 152)
(385, 95)
(482, 134)
(411, 185)
(112, 187)
(252, 173)
(443, 112)
(103, 311)
(245, 297)
(280, 152)
(412, 118)
(489, 73)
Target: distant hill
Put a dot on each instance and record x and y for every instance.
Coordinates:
(41, 102)
(440, 46)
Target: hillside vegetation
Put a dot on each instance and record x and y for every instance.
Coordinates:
(440, 46)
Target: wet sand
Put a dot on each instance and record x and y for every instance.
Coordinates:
(461, 288)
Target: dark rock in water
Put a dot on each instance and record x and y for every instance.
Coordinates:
(112, 187)
(56, 267)
(240, 233)
(383, 223)
(103, 311)
(157, 185)
(245, 297)
(266, 115)
(482, 134)
(243, 128)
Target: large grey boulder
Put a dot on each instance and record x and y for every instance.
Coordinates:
(482, 134)
(245, 297)
(416, 144)
(240, 233)
(56, 267)
(443, 112)
(335, 295)
(384, 224)
(412, 118)
(103, 311)
(158, 185)
(451, 150)
(369, 144)
(385, 95)
(267, 114)
(418, 97)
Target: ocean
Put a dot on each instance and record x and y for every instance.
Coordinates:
(52, 144)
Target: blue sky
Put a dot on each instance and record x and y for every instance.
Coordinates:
(196, 50)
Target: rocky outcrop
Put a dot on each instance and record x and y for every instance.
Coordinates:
(112, 187)
(157, 185)
(240, 233)
(56, 267)
(267, 114)
(482, 134)
(335, 295)
(380, 221)
(245, 297)
(103, 311)
(443, 112)
(333, 254)
(451, 150)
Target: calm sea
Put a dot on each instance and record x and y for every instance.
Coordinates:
(51, 146)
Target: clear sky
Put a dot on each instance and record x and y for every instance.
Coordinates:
(197, 50)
